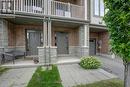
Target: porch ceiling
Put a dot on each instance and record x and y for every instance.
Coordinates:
(19, 20)
(98, 30)
(33, 21)
(65, 24)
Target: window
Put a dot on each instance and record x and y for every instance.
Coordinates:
(96, 10)
(99, 8)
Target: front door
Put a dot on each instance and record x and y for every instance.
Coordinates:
(33, 41)
(62, 42)
(92, 47)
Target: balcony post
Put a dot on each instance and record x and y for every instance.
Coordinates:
(49, 7)
(69, 7)
(85, 9)
(14, 6)
(45, 7)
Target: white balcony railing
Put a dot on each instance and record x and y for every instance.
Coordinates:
(29, 6)
(42, 7)
(66, 9)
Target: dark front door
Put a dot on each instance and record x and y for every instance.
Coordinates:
(92, 47)
(33, 41)
(62, 42)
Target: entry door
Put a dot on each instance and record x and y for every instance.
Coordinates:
(34, 40)
(62, 42)
(92, 47)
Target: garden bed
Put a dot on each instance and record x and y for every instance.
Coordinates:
(45, 78)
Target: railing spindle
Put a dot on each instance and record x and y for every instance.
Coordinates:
(54, 8)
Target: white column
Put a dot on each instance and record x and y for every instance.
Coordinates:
(44, 33)
(86, 35)
(49, 7)
(85, 6)
(47, 54)
(14, 6)
(45, 7)
(49, 32)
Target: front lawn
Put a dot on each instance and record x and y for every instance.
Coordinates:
(2, 70)
(105, 83)
(45, 78)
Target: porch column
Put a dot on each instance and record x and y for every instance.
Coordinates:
(52, 51)
(42, 51)
(49, 33)
(44, 33)
(84, 40)
(47, 54)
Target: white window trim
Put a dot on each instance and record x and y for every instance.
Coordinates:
(98, 9)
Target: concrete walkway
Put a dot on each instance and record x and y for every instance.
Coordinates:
(73, 74)
(16, 77)
(68, 60)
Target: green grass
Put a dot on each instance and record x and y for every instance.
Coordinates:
(105, 83)
(2, 70)
(45, 78)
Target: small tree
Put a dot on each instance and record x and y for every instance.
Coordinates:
(117, 20)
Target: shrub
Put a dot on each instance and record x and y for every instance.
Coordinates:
(90, 63)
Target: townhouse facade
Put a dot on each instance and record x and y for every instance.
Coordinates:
(51, 28)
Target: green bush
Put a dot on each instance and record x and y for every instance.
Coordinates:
(90, 63)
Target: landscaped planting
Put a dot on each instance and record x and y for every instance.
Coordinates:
(105, 83)
(2, 70)
(45, 78)
(90, 63)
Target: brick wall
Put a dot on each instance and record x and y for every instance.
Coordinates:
(11, 33)
(103, 36)
(17, 34)
(72, 35)
(105, 46)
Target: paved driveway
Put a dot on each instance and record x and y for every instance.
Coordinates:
(114, 66)
(16, 77)
(73, 74)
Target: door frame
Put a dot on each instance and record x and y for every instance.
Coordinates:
(26, 41)
(95, 44)
(67, 40)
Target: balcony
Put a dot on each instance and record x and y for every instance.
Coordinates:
(42, 8)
